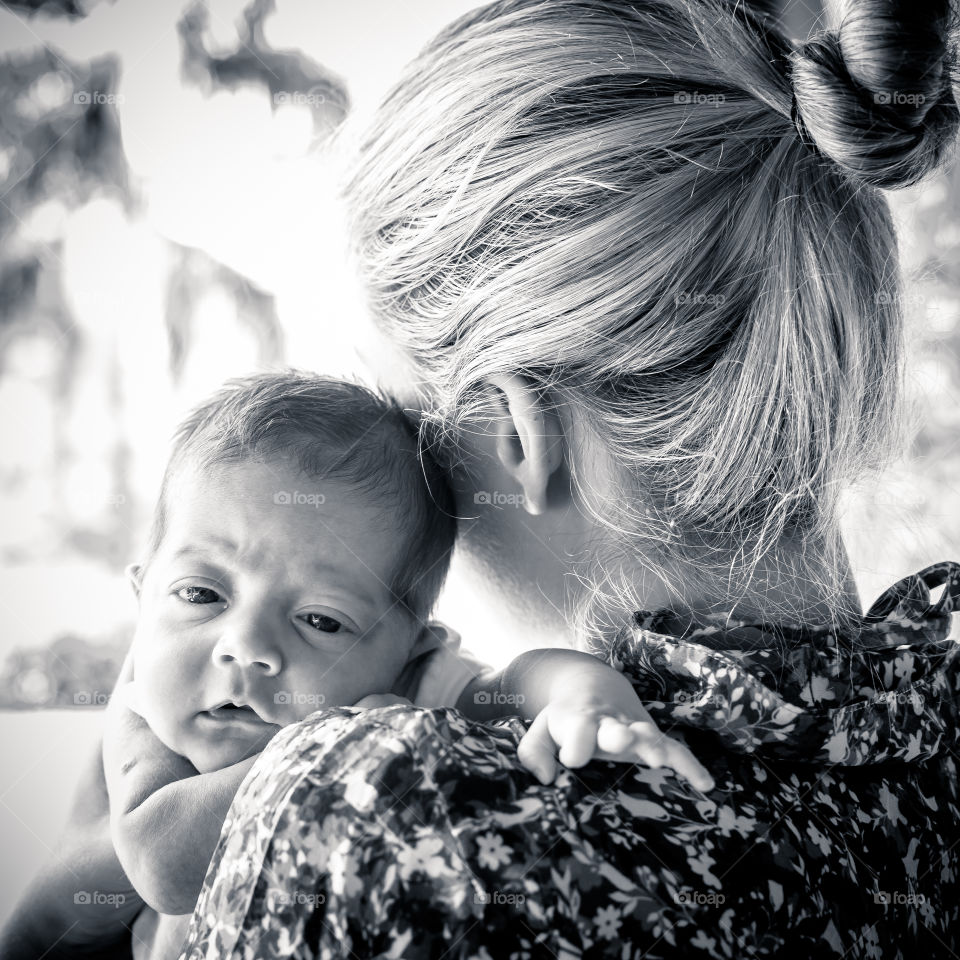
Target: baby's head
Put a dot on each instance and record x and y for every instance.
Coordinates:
(299, 543)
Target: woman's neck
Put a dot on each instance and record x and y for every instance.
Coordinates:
(794, 583)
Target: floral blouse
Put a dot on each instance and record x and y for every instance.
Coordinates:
(833, 830)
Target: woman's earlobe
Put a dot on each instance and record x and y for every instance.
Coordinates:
(530, 442)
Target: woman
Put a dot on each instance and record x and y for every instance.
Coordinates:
(634, 272)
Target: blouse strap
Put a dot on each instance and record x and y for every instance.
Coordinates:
(913, 593)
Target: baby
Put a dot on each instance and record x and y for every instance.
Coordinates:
(298, 547)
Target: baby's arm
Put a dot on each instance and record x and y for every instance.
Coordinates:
(578, 703)
(165, 816)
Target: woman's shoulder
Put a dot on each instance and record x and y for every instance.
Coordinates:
(402, 823)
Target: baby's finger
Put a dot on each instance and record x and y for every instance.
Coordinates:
(536, 750)
(614, 736)
(658, 750)
(577, 735)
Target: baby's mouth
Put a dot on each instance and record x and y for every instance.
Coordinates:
(238, 713)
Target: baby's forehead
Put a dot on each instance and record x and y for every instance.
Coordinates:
(257, 513)
(202, 490)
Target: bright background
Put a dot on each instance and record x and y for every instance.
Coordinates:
(167, 221)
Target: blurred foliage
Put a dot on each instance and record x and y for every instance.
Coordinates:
(55, 143)
(71, 9)
(71, 672)
(60, 149)
(929, 217)
(282, 72)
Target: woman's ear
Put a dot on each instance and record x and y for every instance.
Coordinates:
(530, 439)
(134, 572)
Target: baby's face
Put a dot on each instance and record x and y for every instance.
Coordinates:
(269, 591)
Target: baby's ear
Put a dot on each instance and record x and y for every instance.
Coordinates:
(443, 635)
(428, 638)
(134, 572)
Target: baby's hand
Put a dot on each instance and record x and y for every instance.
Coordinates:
(588, 726)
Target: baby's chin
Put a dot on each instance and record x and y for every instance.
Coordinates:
(209, 747)
(207, 757)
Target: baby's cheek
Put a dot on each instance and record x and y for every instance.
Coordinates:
(303, 692)
(159, 703)
(156, 711)
(301, 711)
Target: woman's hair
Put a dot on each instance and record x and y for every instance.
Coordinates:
(622, 202)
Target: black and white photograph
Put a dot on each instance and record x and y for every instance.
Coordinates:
(479, 480)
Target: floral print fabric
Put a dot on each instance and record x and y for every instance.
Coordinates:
(833, 830)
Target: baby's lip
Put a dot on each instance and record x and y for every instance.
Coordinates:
(235, 710)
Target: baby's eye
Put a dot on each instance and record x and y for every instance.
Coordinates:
(198, 595)
(320, 621)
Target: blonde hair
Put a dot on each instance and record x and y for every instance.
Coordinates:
(623, 203)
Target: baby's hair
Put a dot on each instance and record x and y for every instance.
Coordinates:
(621, 202)
(334, 430)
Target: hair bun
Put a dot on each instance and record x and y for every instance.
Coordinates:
(876, 95)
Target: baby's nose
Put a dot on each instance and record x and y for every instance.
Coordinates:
(249, 646)
(263, 662)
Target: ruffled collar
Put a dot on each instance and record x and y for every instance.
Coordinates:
(884, 688)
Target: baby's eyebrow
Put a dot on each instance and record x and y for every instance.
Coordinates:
(192, 548)
(323, 568)
(318, 567)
